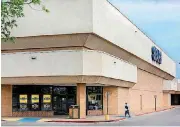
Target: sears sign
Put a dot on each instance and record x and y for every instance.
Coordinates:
(156, 55)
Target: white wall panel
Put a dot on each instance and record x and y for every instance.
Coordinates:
(170, 85)
(46, 64)
(68, 63)
(65, 17)
(110, 24)
(113, 67)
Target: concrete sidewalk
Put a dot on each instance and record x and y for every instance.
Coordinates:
(88, 119)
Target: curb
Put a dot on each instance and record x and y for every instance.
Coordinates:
(90, 121)
(154, 111)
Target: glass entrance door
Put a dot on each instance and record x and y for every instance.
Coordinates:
(63, 97)
(59, 104)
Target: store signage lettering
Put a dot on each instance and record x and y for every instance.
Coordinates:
(23, 98)
(156, 55)
(35, 98)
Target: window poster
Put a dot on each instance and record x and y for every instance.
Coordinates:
(23, 107)
(46, 107)
(46, 98)
(92, 98)
(23, 98)
(35, 106)
(35, 98)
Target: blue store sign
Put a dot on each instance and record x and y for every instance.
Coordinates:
(156, 55)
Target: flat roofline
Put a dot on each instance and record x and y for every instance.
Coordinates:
(140, 30)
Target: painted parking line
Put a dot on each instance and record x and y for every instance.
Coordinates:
(29, 119)
(44, 119)
(11, 119)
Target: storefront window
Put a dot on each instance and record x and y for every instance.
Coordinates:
(23, 100)
(60, 90)
(35, 102)
(15, 103)
(46, 102)
(43, 98)
(95, 97)
(32, 98)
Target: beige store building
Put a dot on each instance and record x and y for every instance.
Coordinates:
(77, 53)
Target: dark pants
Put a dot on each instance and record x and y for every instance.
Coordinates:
(127, 112)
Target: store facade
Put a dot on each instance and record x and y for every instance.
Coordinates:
(57, 64)
(55, 99)
(49, 100)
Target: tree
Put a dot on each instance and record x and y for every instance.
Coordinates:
(11, 10)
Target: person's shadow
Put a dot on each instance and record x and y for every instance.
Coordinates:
(121, 116)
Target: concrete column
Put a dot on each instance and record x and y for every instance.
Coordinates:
(81, 99)
(6, 100)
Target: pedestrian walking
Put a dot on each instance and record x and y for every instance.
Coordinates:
(127, 110)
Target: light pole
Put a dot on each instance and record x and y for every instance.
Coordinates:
(107, 97)
(107, 101)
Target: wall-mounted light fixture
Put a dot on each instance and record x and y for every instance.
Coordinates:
(33, 58)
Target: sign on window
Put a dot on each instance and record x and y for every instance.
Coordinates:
(35, 98)
(23, 98)
(46, 98)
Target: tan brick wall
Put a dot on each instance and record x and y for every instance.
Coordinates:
(81, 99)
(140, 97)
(147, 86)
(166, 99)
(6, 100)
(123, 97)
(33, 114)
(113, 100)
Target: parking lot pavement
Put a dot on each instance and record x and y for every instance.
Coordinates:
(164, 118)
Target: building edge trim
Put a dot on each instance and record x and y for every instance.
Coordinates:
(40, 80)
